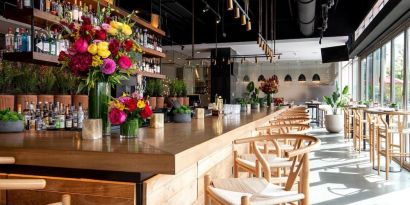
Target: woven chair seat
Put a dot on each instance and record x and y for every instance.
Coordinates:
(249, 160)
(259, 190)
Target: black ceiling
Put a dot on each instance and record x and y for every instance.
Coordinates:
(344, 18)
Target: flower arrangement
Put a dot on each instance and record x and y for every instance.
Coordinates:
(126, 108)
(100, 53)
(270, 86)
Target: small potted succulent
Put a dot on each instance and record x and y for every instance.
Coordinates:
(11, 121)
(182, 114)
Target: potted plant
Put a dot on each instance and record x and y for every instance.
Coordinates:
(46, 84)
(11, 121)
(149, 94)
(243, 103)
(129, 113)
(395, 106)
(26, 84)
(182, 114)
(263, 102)
(180, 91)
(173, 89)
(158, 92)
(253, 92)
(8, 72)
(184, 93)
(269, 87)
(334, 121)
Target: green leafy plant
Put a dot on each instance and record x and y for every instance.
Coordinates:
(183, 109)
(184, 90)
(47, 80)
(393, 105)
(149, 89)
(158, 88)
(27, 79)
(66, 82)
(7, 116)
(8, 72)
(253, 92)
(173, 88)
(338, 99)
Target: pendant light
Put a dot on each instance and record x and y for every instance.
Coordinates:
(230, 5)
(261, 78)
(246, 78)
(288, 78)
(243, 20)
(302, 78)
(316, 78)
(248, 26)
(237, 12)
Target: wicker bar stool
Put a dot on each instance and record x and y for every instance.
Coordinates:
(359, 125)
(247, 191)
(348, 121)
(27, 184)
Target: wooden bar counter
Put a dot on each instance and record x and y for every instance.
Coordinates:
(162, 166)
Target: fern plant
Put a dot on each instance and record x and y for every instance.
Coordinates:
(338, 99)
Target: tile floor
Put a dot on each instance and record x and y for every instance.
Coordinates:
(342, 176)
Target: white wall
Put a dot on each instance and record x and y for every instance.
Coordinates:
(293, 91)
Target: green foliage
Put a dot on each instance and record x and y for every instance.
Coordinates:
(66, 82)
(253, 92)
(7, 115)
(8, 71)
(177, 88)
(149, 89)
(46, 80)
(27, 79)
(158, 88)
(250, 87)
(183, 109)
(338, 99)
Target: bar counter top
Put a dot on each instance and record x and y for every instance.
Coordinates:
(166, 150)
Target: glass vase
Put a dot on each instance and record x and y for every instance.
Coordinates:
(98, 99)
(269, 99)
(129, 129)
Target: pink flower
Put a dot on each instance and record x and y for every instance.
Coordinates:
(123, 99)
(108, 66)
(117, 116)
(124, 62)
(105, 26)
(81, 45)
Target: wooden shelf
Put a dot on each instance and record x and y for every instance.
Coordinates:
(41, 19)
(152, 53)
(150, 75)
(32, 57)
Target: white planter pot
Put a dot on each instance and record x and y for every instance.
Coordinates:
(334, 123)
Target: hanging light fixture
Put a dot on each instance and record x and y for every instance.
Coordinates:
(316, 78)
(288, 78)
(248, 26)
(243, 20)
(237, 12)
(230, 5)
(302, 78)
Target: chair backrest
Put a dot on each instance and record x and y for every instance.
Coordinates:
(298, 120)
(284, 129)
(299, 155)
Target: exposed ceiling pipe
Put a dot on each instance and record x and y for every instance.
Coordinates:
(307, 11)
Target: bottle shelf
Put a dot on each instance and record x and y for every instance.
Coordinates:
(41, 19)
(150, 75)
(32, 57)
(152, 53)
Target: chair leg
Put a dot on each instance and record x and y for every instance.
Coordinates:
(387, 158)
(207, 182)
(378, 153)
(66, 199)
(245, 200)
(235, 165)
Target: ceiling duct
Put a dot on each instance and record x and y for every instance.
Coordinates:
(307, 11)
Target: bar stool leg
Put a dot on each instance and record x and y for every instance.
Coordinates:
(235, 165)
(207, 181)
(387, 158)
(378, 153)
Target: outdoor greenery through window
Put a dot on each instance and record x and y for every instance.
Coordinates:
(369, 82)
(386, 67)
(398, 66)
(376, 75)
(363, 80)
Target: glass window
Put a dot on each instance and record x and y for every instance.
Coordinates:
(398, 65)
(363, 79)
(370, 88)
(376, 76)
(386, 68)
(355, 74)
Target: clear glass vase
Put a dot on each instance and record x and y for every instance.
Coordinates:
(129, 129)
(98, 99)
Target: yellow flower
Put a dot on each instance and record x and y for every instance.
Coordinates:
(118, 105)
(96, 61)
(112, 31)
(103, 45)
(104, 53)
(92, 49)
(141, 104)
(126, 29)
(116, 24)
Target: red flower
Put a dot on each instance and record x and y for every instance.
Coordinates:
(131, 104)
(114, 46)
(87, 31)
(107, 19)
(124, 62)
(63, 56)
(146, 112)
(101, 35)
(80, 63)
(128, 44)
(86, 20)
(117, 116)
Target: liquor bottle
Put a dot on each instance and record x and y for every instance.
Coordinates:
(69, 12)
(38, 119)
(19, 4)
(52, 43)
(23, 40)
(145, 42)
(32, 117)
(51, 117)
(42, 5)
(45, 116)
(75, 11)
(48, 3)
(68, 119)
(26, 113)
(59, 9)
(28, 41)
(80, 12)
(90, 13)
(85, 10)
(27, 4)
(80, 116)
(61, 116)
(19, 108)
(10, 41)
(74, 117)
(17, 41)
